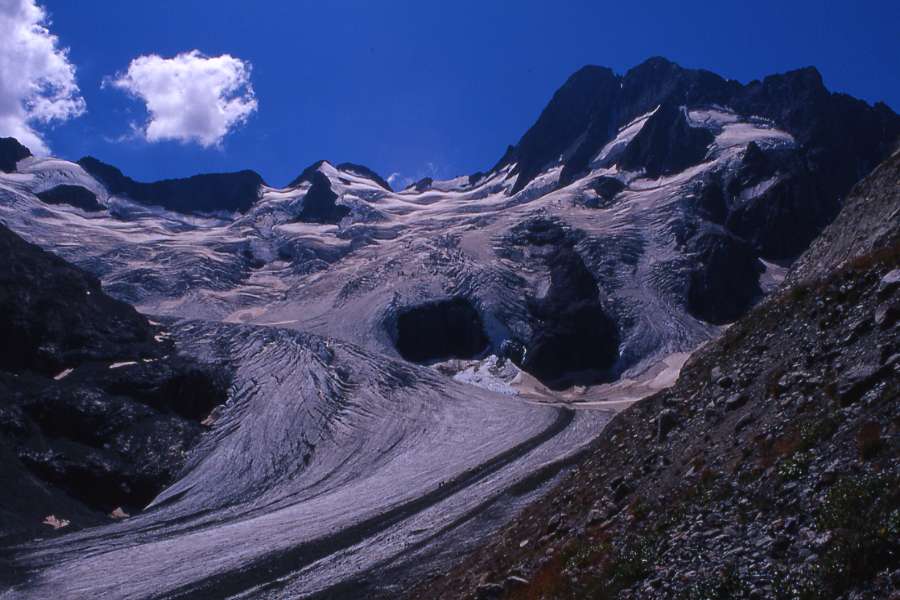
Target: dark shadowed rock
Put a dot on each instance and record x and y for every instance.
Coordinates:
(666, 144)
(114, 427)
(364, 172)
(583, 104)
(870, 208)
(320, 203)
(607, 189)
(231, 192)
(422, 185)
(11, 152)
(781, 222)
(725, 281)
(53, 315)
(573, 338)
(73, 195)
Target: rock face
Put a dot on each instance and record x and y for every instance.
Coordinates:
(11, 152)
(771, 468)
(55, 316)
(230, 192)
(95, 412)
(666, 144)
(725, 282)
(73, 195)
(319, 204)
(572, 339)
(582, 106)
(364, 172)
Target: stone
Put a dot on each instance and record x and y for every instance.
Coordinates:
(489, 591)
(514, 581)
(856, 382)
(743, 422)
(889, 283)
(736, 401)
(665, 422)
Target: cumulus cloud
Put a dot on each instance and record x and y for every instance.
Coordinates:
(398, 181)
(37, 81)
(190, 97)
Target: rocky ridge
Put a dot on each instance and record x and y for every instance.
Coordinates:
(97, 409)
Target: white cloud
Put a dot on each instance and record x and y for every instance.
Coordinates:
(398, 181)
(190, 97)
(37, 81)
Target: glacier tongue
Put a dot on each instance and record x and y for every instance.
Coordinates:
(322, 448)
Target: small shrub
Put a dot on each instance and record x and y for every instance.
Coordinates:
(864, 513)
(632, 562)
(800, 583)
(849, 502)
(793, 467)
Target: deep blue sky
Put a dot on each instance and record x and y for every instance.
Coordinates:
(415, 87)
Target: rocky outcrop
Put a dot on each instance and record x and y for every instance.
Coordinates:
(364, 172)
(97, 410)
(11, 152)
(422, 185)
(54, 316)
(73, 195)
(666, 144)
(320, 203)
(573, 339)
(208, 193)
(607, 189)
(581, 106)
(724, 282)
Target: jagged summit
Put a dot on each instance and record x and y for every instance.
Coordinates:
(594, 103)
(346, 167)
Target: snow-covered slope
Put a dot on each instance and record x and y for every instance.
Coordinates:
(348, 279)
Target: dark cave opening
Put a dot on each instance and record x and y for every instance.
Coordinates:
(440, 330)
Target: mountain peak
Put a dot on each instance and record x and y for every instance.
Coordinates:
(307, 174)
(11, 152)
(593, 104)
